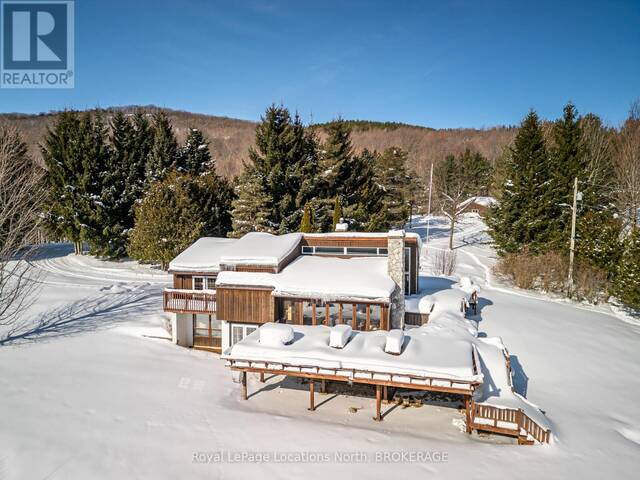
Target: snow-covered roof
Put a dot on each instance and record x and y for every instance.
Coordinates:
(260, 248)
(202, 256)
(483, 201)
(327, 278)
(423, 354)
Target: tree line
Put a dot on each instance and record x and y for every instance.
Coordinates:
(124, 186)
(534, 183)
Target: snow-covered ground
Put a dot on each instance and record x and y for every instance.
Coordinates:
(91, 388)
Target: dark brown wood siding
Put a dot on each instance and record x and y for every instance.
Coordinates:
(245, 305)
(182, 281)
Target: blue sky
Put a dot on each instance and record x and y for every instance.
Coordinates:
(440, 64)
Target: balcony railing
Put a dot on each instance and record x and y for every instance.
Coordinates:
(189, 301)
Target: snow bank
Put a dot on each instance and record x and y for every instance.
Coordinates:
(275, 334)
(260, 248)
(339, 336)
(395, 339)
(202, 256)
(467, 286)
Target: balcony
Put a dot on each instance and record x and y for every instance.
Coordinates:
(189, 301)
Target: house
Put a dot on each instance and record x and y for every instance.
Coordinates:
(479, 205)
(224, 289)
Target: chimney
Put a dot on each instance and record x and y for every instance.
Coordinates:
(395, 269)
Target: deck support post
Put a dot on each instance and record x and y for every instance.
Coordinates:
(261, 377)
(323, 386)
(385, 394)
(378, 417)
(312, 406)
(467, 412)
(243, 376)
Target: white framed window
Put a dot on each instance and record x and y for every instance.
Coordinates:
(407, 270)
(240, 331)
(204, 283)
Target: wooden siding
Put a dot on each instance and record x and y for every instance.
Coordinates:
(245, 305)
(252, 268)
(183, 281)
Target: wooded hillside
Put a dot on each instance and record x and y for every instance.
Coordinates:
(231, 138)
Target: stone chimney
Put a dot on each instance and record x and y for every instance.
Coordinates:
(395, 269)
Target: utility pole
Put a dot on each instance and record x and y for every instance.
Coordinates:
(573, 233)
(429, 207)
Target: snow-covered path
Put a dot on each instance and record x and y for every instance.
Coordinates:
(93, 391)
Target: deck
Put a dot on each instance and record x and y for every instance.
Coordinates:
(189, 301)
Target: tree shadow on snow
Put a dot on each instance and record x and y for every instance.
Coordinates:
(520, 379)
(86, 315)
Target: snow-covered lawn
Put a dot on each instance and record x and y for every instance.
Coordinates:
(91, 389)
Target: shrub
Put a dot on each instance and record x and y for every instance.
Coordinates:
(445, 261)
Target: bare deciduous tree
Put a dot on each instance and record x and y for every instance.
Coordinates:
(21, 195)
(627, 166)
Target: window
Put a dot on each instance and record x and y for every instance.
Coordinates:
(204, 283)
(383, 251)
(307, 250)
(375, 316)
(407, 270)
(239, 332)
(308, 308)
(330, 250)
(362, 251)
(475, 210)
(361, 317)
(334, 314)
(288, 312)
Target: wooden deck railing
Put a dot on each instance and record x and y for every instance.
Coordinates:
(181, 301)
(513, 422)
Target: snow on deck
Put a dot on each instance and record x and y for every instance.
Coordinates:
(497, 389)
(327, 278)
(260, 248)
(423, 355)
(202, 256)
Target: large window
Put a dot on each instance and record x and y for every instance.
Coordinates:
(407, 270)
(207, 331)
(360, 316)
(204, 283)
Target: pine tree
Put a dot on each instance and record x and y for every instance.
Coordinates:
(283, 158)
(251, 208)
(163, 155)
(213, 196)
(520, 220)
(166, 221)
(76, 154)
(194, 155)
(306, 224)
(337, 213)
(627, 280)
(392, 176)
(567, 162)
(598, 240)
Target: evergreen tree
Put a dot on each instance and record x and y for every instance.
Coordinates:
(282, 160)
(627, 281)
(194, 155)
(164, 149)
(166, 221)
(251, 208)
(567, 162)
(392, 176)
(76, 154)
(337, 213)
(213, 196)
(598, 240)
(364, 206)
(521, 219)
(306, 224)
